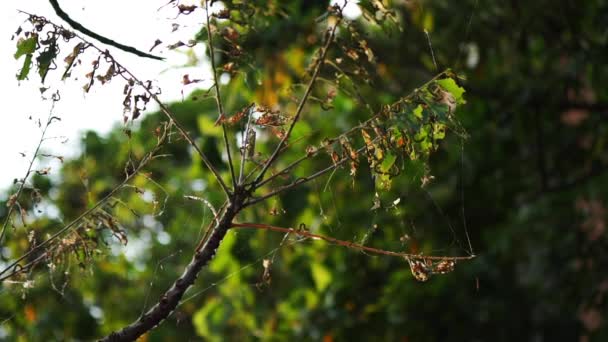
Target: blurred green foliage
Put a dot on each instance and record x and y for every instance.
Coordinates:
(526, 187)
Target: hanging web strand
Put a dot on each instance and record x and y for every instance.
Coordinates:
(467, 33)
(428, 39)
(462, 210)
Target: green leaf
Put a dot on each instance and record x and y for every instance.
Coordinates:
(418, 112)
(321, 276)
(26, 46)
(439, 131)
(439, 109)
(45, 60)
(25, 69)
(384, 182)
(388, 162)
(422, 134)
(449, 85)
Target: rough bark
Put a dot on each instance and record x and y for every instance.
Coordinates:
(171, 298)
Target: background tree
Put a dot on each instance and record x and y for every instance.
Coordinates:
(528, 184)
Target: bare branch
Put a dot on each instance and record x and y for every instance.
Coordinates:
(330, 37)
(244, 142)
(348, 244)
(172, 297)
(218, 96)
(78, 27)
(310, 155)
(13, 200)
(301, 180)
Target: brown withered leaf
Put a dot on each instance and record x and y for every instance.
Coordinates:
(223, 14)
(186, 80)
(335, 157)
(229, 67)
(278, 132)
(420, 270)
(186, 9)
(230, 34)
(352, 54)
(157, 42)
(310, 150)
(444, 266)
(44, 171)
(176, 45)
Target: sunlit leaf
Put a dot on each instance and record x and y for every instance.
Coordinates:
(449, 85)
(388, 162)
(418, 112)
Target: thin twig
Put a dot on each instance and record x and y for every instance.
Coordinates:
(310, 155)
(301, 180)
(186, 136)
(366, 123)
(15, 199)
(343, 243)
(143, 162)
(218, 96)
(156, 99)
(244, 144)
(320, 62)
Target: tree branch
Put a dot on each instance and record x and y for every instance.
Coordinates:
(244, 144)
(171, 298)
(78, 27)
(330, 37)
(218, 96)
(348, 244)
(13, 200)
(301, 180)
(162, 106)
(309, 155)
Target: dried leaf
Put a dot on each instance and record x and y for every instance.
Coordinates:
(420, 269)
(186, 9)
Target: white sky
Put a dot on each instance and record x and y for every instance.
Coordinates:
(136, 23)
(100, 109)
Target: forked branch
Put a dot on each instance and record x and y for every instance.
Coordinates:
(320, 62)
